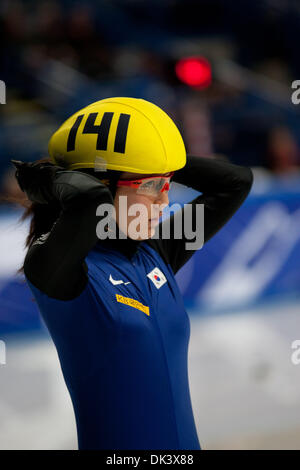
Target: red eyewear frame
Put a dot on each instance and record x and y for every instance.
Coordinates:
(136, 183)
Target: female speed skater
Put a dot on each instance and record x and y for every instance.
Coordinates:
(109, 298)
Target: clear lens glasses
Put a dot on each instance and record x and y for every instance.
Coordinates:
(151, 186)
(154, 186)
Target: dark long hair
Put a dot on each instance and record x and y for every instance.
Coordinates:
(42, 216)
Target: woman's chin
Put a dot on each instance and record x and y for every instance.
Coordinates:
(152, 232)
(144, 236)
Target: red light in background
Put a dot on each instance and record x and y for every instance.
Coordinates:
(194, 71)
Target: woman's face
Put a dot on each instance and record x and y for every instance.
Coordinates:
(138, 222)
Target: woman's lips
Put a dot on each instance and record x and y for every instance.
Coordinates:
(154, 221)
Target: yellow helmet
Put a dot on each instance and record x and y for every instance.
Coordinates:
(124, 134)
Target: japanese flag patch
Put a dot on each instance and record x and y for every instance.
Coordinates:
(157, 277)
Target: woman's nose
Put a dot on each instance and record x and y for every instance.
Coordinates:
(163, 197)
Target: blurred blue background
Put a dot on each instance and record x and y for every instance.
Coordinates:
(242, 289)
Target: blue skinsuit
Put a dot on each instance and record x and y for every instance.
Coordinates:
(126, 370)
(123, 346)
